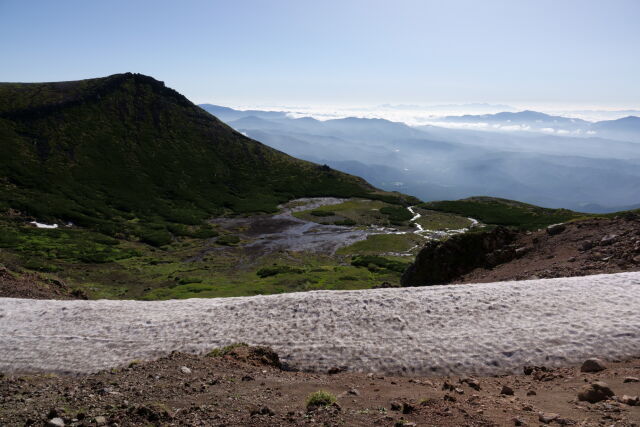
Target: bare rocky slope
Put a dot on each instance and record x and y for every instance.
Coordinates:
(244, 386)
(575, 248)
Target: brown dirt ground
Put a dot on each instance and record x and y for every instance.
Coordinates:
(585, 247)
(234, 390)
(35, 286)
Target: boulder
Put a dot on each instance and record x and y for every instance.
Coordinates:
(441, 261)
(547, 417)
(595, 392)
(608, 239)
(593, 365)
(100, 420)
(471, 382)
(506, 390)
(555, 229)
(630, 400)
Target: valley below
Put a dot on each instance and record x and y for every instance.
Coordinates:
(311, 243)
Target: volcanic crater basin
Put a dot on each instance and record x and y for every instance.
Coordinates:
(488, 328)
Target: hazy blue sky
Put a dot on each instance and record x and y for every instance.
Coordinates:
(339, 52)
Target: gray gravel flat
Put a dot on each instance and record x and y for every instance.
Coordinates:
(479, 328)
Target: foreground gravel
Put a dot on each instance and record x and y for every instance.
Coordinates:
(485, 328)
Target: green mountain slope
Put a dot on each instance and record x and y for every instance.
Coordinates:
(126, 155)
(509, 213)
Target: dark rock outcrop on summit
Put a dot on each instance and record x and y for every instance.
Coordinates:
(442, 261)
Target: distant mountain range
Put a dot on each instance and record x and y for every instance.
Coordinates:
(624, 129)
(575, 170)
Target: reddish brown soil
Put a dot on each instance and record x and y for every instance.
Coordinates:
(584, 247)
(32, 285)
(233, 391)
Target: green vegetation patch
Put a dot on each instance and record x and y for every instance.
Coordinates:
(223, 351)
(345, 222)
(504, 212)
(320, 398)
(39, 245)
(382, 243)
(277, 269)
(322, 213)
(398, 215)
(375, 263)
(434, 220)
(357, 211)
(228, 240)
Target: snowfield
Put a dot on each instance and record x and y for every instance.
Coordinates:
(478, 328)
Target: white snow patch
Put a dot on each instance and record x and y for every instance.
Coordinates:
(41, 225)
(484, 328)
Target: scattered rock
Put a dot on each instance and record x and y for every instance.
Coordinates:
(55, 422)
(395, 406)
(353, 392)
(447, 386)
(55, 413)
(609, 239)
(531, 393)
(630, 400)
(544, 375)
(547, 417)
(518, 422)
(407, 408)
(248, 378)
(335, 370)
(593, 365)
(595, 392)
(506, 390)
(185, 370)
(555, 229)
(265, 410)
(631, 380)
(100, 420)
(585, 246)
(471, 382)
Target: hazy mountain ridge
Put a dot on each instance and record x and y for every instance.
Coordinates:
(623, 129)
(576, 172)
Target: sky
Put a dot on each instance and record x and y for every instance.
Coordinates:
(565, 53)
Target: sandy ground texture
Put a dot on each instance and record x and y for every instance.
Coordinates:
(240, 389)
(486, 328)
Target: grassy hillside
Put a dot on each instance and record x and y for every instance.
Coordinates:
(127, 156)
(138, 170)
(510, 213)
